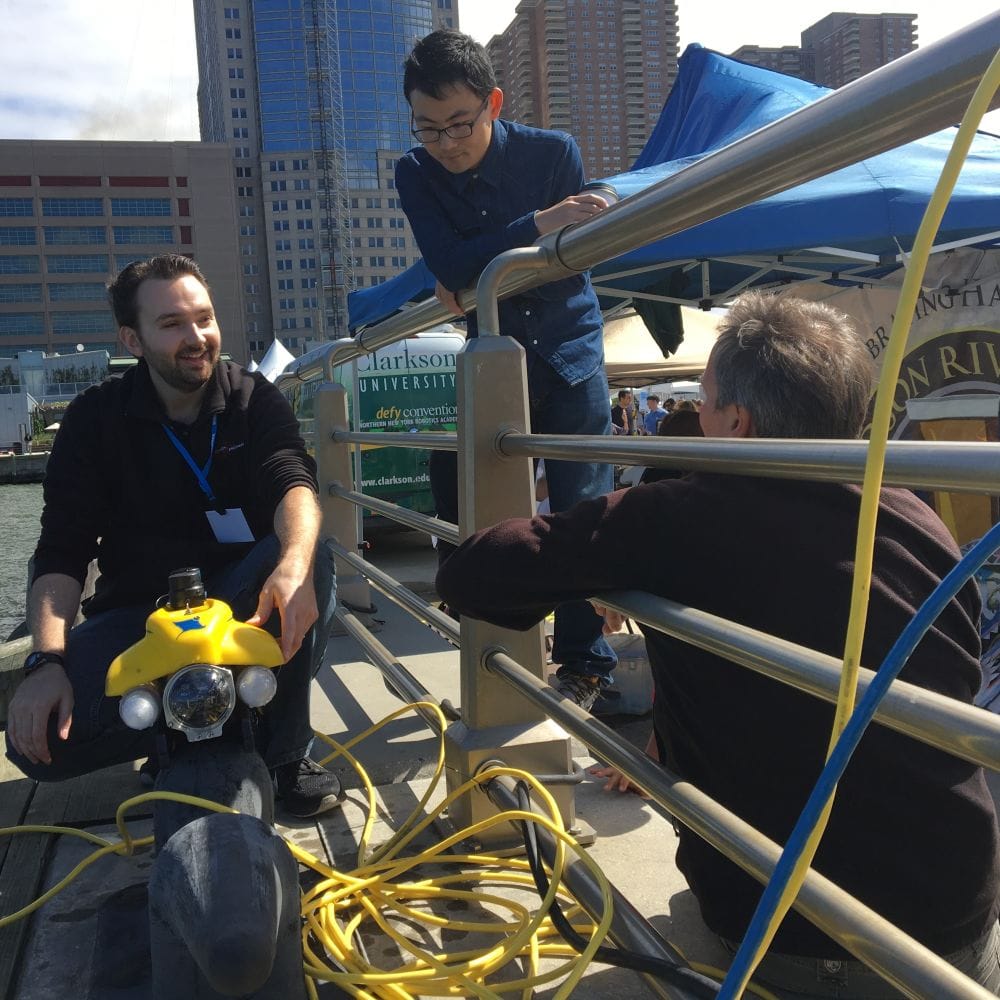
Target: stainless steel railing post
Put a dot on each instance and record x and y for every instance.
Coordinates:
(333, 467)
(493, 398)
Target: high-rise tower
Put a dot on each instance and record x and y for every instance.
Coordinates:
(308, 95)
(598, 69)
(842, 47)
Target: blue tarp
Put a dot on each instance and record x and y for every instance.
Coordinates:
(874, 206)
(369, 305)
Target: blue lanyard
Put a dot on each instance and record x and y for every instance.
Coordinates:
(200, 474)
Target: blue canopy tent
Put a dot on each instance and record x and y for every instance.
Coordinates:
(850, 227)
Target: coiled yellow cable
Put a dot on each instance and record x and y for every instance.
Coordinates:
(384, 886)
(452, 975)
(875, 465)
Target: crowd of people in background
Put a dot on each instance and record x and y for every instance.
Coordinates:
(626, 417)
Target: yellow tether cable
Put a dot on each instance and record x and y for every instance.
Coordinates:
(336, 908)
(515, 943)
(125, 847)
(342, 750)
(875, 464)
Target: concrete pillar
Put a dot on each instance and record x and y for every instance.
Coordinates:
(340, 517)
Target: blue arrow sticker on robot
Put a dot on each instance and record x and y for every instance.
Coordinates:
(188, 624)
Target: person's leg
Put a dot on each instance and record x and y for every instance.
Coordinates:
(97, 738)
(556, 408)
(286, 733)
(442, 467)
(792, 977)
(981, 961)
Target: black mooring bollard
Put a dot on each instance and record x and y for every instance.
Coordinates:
(218, 770)
(224, 893)
(224, 913)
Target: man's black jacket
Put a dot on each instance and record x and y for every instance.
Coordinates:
(117, 487)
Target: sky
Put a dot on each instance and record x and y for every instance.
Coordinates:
(126, 69)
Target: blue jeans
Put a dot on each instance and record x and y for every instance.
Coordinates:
(579, 646)
(98, 738)
(790, 977)
(555, 408)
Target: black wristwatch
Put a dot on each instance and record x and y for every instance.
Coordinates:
(39, 658)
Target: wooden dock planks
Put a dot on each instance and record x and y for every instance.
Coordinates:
(80, 802)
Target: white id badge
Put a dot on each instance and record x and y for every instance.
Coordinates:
(230, 526)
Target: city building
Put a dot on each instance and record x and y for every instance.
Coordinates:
(445, 14)
(842, 47)
(839, 48)
(598, 69)
(73, 213)
(785, 59)
(308, 96)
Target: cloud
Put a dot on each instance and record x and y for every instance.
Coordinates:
(113, 70)
(150, 116)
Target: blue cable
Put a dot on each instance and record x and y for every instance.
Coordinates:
(845, 747)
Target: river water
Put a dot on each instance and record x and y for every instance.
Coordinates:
(20, 509)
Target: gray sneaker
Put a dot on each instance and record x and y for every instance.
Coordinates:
(306, 789)
(580, 689)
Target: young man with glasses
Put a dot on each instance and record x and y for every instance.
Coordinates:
(475, 187)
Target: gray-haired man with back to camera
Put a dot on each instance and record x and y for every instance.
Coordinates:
(913, 832)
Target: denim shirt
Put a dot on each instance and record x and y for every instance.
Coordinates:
(462, 221)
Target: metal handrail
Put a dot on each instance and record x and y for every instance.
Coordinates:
(955, 466)
(411, 518)
(946, 723)
(905, 963)
(428, 440)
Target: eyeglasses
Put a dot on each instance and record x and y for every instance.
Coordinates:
(460, 130)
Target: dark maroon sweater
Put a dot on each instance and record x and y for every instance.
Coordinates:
(117, 488)
(913, 832)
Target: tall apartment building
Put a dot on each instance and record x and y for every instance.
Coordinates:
(785, 59)
(842, 47)
(308, 97)
(72, 214)
(598, 69)
(839, 48)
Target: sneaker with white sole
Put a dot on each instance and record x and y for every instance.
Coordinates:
(579, 688)
(306, 789)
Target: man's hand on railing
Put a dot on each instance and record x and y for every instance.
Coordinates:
(617, 782)
(575, 208)
(613, 620)
(448, 299)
